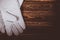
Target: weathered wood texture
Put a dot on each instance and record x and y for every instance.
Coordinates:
(38, 13)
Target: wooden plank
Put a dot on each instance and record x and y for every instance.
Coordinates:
(35, 6)
(32, 14)
(39, 0)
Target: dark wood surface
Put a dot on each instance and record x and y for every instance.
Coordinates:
(38, 13)
(39, 18)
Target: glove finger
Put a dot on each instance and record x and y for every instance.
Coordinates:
(21, 23)
(18, 27)
(2, 29)
(14, 30)
(8, 28)
(1, 23)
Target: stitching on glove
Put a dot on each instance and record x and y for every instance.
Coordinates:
(13, 15)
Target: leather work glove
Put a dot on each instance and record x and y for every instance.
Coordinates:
(12, 20)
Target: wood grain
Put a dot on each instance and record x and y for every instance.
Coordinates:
(36, 13)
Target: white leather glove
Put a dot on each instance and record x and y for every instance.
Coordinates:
(12, 17)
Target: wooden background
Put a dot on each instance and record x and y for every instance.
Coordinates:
(39, 19)
(38, 13)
